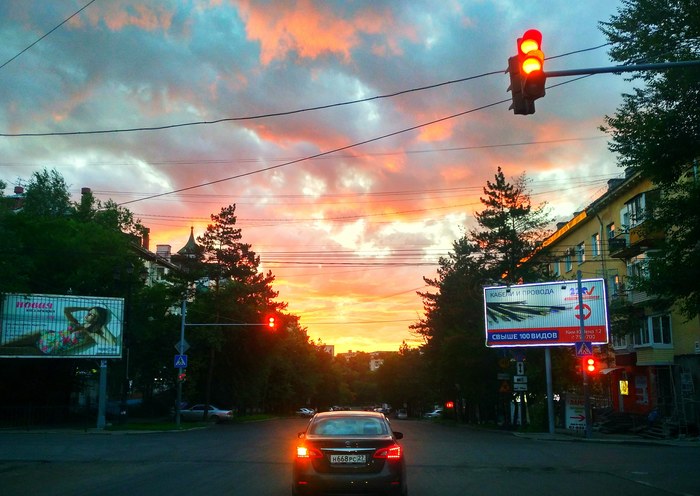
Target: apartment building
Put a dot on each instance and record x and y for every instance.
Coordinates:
(654, 352)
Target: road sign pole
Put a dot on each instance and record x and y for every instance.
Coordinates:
(182, 350)
(586, 392)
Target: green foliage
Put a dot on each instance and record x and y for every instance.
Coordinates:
(674, 268)
(657, 130)
(657, 127)
(47, 195)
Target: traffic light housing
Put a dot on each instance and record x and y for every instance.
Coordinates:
(271, 323)
(526, 69)
(519, 105)
(182, 376)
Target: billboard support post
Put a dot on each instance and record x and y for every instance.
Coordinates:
(550, 393)
(586, 392)
(102, 396)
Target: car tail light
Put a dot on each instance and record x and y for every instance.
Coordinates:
(390, 452)
(306, 452)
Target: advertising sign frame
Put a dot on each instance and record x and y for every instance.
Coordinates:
(546, 314)
(60, 326)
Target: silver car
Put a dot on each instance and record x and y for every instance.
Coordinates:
(196, 413)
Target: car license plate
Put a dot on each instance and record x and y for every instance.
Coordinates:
(347, 459)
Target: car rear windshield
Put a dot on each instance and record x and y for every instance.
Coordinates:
(348, 427)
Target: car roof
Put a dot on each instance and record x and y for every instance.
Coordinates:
(350, 413)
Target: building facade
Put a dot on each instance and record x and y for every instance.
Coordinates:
(653, 358)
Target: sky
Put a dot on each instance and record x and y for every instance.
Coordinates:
(354, 137)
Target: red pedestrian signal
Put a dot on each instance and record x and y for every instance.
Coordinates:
(182, 377)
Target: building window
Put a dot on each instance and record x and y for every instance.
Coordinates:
(641, 390)
(567, 261)
(595, 245)
(615, 287)
(638, 268)
(555, 269)
(620, 342)
(611, 230)
(660, 329)
(654, 330)
(636, 210)
(581, 253)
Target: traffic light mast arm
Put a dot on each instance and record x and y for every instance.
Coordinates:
(622, 68)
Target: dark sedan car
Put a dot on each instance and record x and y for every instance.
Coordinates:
(347, 452)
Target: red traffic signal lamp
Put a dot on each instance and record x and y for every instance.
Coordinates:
(271, 323)
(182, 376)
(526, 69)
(531, 63)
(591, 365)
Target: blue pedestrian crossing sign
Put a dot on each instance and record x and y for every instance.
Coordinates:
(180, 361)
(584, 348)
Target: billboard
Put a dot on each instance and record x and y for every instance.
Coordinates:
(61, 326)
(546, 314)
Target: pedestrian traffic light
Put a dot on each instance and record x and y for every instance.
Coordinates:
(182, 376)
(591, 365)
(526, 70)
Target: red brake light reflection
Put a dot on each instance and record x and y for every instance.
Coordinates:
(304, 452)
(390, 452)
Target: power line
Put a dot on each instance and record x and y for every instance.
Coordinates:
(197, 162)
(45, 35)
(274, 114)
(250, 117)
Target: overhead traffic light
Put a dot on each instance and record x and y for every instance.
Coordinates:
(526, 69)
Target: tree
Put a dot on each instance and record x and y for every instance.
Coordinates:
(509, 229)
(453, 324)
(237, 292)
(47, 195)
(657, 130)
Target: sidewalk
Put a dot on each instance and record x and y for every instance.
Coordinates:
(598, 437)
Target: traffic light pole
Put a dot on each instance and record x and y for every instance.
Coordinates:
(623, 68)
(586, 393)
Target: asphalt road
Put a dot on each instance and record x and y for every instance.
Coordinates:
(254, 460)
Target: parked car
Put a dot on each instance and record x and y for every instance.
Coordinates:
(434, 414)
(347, 452)
(305, 412)
(196, 413)
(401, 414)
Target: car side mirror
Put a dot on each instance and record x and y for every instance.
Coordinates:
(398, 435)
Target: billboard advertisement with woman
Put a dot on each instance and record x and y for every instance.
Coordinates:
(61, 326)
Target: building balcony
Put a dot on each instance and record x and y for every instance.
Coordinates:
(619, 246)
(643, 239)
(637, 240)
(636, 297)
